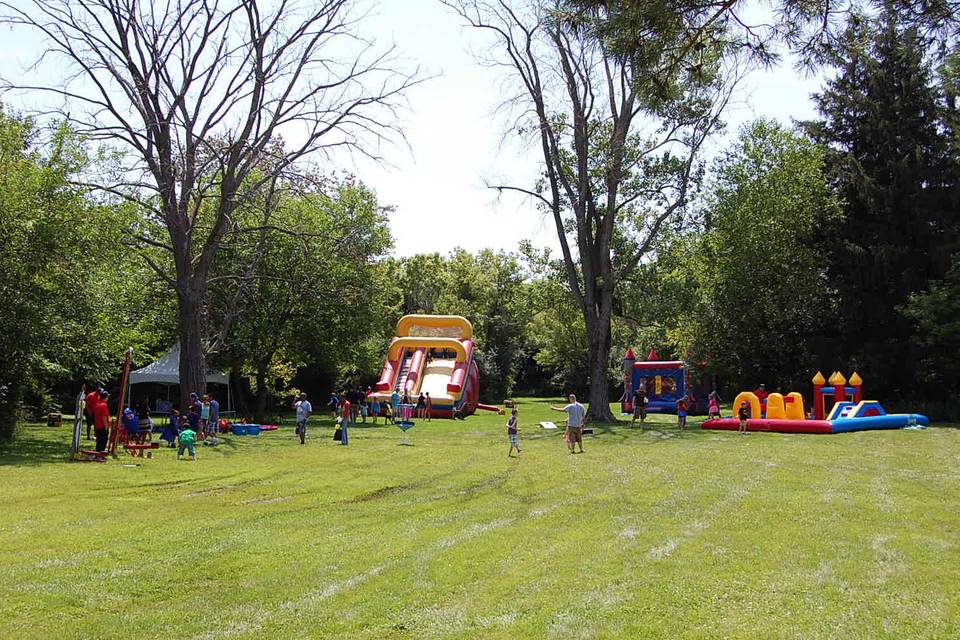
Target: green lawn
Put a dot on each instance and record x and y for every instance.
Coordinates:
(647, 535)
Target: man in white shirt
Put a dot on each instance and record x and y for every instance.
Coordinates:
(304, 411)
(576, 413)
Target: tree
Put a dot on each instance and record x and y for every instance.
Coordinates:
(892, 158)
(65, 277)
(314, 282)
(937, 335)
(762, 297)
(196, 95)
(485, 287)
(618, 135)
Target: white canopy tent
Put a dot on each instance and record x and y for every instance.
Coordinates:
(166, 371)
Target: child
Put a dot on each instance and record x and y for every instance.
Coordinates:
(387, 413)
(428, 407)
(188, 441)
(639, 405)
(210, 427)
(333, 404)
(682, 412)
(374, 408)
(170, 433)
(130, 424)
(713, 405)
(193, 419)
(421, 406)
(743, 414)
(513, 434)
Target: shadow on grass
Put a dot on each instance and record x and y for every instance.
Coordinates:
(626, 432)
(27, 449)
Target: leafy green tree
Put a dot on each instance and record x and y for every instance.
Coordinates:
(73, 296)
(302, 291)
(618, 135)
(195, 96)
(936, 314)
(891, 157)
(762, 296)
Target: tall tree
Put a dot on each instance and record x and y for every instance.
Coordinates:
(763, 298)
(885, 125)
(56, 325)
(309, 298)
(618, 135)
(195, 94)
(485, 287)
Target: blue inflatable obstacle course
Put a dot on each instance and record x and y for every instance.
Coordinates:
(868, 414)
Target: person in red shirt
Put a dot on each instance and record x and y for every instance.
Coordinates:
(345, 415)
(101, 420)
(90, 401)
(761, 393)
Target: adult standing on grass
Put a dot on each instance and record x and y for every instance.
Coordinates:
(428, 406)
(91, 401)
(214, 413)
(576, 414)
(101, 420)
(395, 402)
(513, 433)
(639, 405)
(346, 413)
(304, 411)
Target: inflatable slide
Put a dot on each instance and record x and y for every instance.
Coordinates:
(432, 354)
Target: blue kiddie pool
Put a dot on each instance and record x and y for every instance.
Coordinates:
(245, 429)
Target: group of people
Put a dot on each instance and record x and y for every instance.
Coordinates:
(365, 404)
(96, 412)
(200, 422)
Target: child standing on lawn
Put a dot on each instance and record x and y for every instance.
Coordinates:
(188, 441)
(713, 405)
(682, 412)
(513, 432)
(743, 414)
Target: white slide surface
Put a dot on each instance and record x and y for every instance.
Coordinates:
(436, 375)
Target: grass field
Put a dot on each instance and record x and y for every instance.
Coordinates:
(646, 535)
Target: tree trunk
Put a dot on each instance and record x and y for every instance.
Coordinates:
(239, 386)
(192, 359)
(263, 394)
(598, 350)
